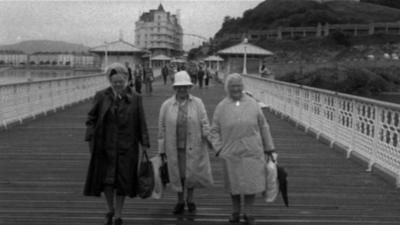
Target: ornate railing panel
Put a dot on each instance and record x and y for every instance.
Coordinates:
(24, 100)
(369, 127)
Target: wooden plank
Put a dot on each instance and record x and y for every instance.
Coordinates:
(43, 166)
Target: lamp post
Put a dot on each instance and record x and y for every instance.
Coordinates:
(105, 56)
(245, 57)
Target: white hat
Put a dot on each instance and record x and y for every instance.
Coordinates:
(182, 78)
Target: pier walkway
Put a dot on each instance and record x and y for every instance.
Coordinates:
(43, 164)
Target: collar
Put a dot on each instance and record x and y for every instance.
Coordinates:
(126, 94)
(190, 98)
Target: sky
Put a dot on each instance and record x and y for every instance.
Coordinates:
(93, 22)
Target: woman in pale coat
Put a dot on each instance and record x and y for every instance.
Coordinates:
(182, 139)
(241, 136)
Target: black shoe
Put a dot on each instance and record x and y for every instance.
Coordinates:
(118, 221)
(234, 218)
(108, 218)
(249, 220)
(191, 206)
(179, 208)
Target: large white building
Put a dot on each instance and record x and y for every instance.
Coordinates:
(160, 32)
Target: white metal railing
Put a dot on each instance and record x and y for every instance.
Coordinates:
(25, 100)
(369, 127)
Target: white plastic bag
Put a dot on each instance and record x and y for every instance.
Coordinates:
(158, 187)
(272, 183)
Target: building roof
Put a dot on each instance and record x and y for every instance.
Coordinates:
(161, 8)
(161, 58)
(240, 49)
(117, 46)
(213, 58)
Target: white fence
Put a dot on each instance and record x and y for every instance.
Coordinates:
(25, 100)
(370, 128)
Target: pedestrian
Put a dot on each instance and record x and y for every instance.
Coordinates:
(182, 140)
(116, 125)
(241, 136)
(200, 75)
(265, 72)
(130, 77)
(207, 76)
(165, 72)
(138, 73)
(148, 79)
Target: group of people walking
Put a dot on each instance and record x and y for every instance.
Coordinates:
(239, 134)
(199, 74)
(140, 75)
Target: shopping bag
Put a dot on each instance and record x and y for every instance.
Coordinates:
(145, 177)
(164, 171)
(272, 183)
(156, 162)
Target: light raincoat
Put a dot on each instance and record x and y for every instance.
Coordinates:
(240, 134)
(198, 167)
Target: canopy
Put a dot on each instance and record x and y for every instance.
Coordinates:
(161, 58)
(243, 48)
(213, 58)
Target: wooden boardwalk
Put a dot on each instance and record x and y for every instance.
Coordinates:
(43, 165)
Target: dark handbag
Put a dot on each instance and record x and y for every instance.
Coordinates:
(164, 172)
(145, 177)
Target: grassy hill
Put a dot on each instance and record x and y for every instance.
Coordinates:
(45, 46)
(273, 13)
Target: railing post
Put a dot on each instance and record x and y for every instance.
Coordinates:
(377, 126)
(353, 128)
(335, 119)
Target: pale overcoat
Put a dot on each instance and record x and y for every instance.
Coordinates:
(240, 134)
(198, 168)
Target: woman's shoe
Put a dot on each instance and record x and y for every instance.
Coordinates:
(179, 208)
(249, 220)
(191, 206)
(118, 221)
(108, 218)
(234, 218)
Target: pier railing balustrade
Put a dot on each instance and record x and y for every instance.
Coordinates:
(20, 101)
(368, 127)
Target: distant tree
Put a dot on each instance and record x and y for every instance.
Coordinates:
(54, 62)
(341, 38)
(32, 63)
(1, 62)
(389, 3)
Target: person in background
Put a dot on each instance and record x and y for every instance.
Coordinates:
(241, 136)
(148, 79)
(165, 72)
(207, 76)
(138, 74)
(130, 77)
(265, 72)
(182, 139)
(200, 75)
(116, 125)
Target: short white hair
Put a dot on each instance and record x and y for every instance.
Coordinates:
(230, 78)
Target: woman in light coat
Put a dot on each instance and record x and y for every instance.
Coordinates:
(240, 134)
(182, 139)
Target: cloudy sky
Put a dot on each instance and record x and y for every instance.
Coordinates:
(92, 22)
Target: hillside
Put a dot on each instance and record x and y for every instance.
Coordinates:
(273, 13)
(45, 46)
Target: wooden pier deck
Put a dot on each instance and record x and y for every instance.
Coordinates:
(43, 165)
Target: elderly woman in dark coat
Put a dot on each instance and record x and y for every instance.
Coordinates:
(115, 127)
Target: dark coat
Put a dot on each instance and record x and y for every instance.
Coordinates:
(95, 124)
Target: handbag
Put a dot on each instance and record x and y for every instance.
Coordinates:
(164, 171)
(145, 177)
(272, 184)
